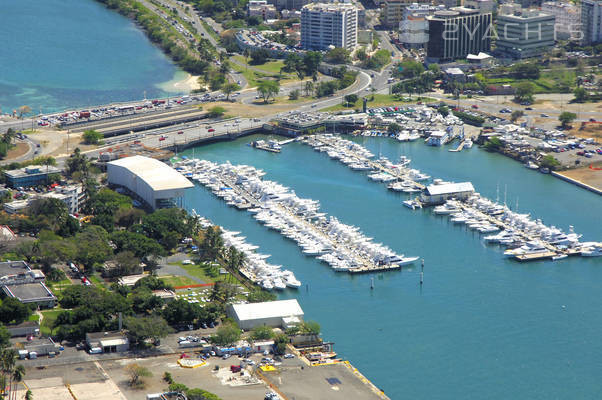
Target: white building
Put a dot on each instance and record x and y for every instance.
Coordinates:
(329, 25)
(73, 196)
(277, 314)
(591, 20)
(262, 9)
(568, 18)
(525, 33)
(413, 28)
(149, 180)
(485, 6)
(438, 194)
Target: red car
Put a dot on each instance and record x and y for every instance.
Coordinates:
(180, 132)
(210, 130)
(161, 138)
(475, 106)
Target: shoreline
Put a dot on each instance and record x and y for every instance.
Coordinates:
(182, 81)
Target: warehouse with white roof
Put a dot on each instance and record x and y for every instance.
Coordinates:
(438, 194)
(277, 314)
(151, 181)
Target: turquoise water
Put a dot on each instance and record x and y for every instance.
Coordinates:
(58, 54)
(482, 326)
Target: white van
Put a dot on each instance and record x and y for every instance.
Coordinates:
(95, 350)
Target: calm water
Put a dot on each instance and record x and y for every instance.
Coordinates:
(482, 326)
(58, 54)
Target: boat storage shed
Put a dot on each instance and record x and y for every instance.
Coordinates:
(438, 194)
(277, 314)
(149, 180)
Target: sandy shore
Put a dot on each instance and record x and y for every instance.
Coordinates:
(182, 82)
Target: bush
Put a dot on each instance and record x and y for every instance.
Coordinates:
(216, 112)
(92, 137)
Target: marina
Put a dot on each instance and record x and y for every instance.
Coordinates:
(527, 239)
(467, 283)
(339, 245)
(254, 267)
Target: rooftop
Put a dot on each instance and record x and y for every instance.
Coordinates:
(158, 175)
(29, 292)
(447, 188)
(32, 171)
(110, 335)
(329, 7)
(268, 309)
(13, 268)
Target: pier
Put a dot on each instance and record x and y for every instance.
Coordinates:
(342, 246)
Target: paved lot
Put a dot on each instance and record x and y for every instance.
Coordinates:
(324, 382)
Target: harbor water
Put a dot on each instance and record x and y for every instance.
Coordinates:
(481, 325)
(59, 54)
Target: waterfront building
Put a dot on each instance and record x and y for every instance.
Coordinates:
(591, 21)
(149, 181)
(439, 194)
(568, 19)
(393, 11)
(33, 175)
(524, 33)
(277, 314)
(324, 26)
(457, 32)
(262, 9)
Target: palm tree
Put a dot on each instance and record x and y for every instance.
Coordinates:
(18, 374)
(7, 365)
(309, 87)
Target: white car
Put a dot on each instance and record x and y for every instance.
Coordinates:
(289, 355)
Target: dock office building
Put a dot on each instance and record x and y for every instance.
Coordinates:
(439, 194)
(458, 32)
(149, 181)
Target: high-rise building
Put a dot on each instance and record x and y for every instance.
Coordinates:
(485, 6)
(457, 32)
(524, 34)
(393, 11)
(568, 19)
(413, 28)
(591, 21)
(326, 25)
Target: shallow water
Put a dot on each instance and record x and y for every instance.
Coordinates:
(59, 54)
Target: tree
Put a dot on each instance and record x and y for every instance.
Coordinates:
(126, 262)
(262, 332)
(12, 310)
(141, 328)
(181, 312)
(443, 110)
(309, 88)
(493, 144)
(434, 68)
(338, 55)
(230, 88)
(137, 243)
(524, 92)
(259, 296)
(294, 94)
(526, 70)
(351, 99)
(216, 111)
(516, 114)
(137, 373)
(566, 118)
(226, 335)
(394, 128)
(268, 89)
(580, 95)
(312, 60)
(23, 110)
(259, 56)
(4, 336)
(90, 136)
(310, 327)
(93, 246)
(200, 394)
(549, 162)
(28, 395)
(409, 69)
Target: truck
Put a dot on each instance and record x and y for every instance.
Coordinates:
(84, 114)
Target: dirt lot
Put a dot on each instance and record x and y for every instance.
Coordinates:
(587, 175)
(591, 130)
(17, 151)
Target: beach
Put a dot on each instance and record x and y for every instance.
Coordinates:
(181, 82)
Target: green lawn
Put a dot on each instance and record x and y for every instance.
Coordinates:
(380, 100)
(271, 67)
(49, 318)
(268, 70)
(204, 272)
(546, 83)
(177, 280)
